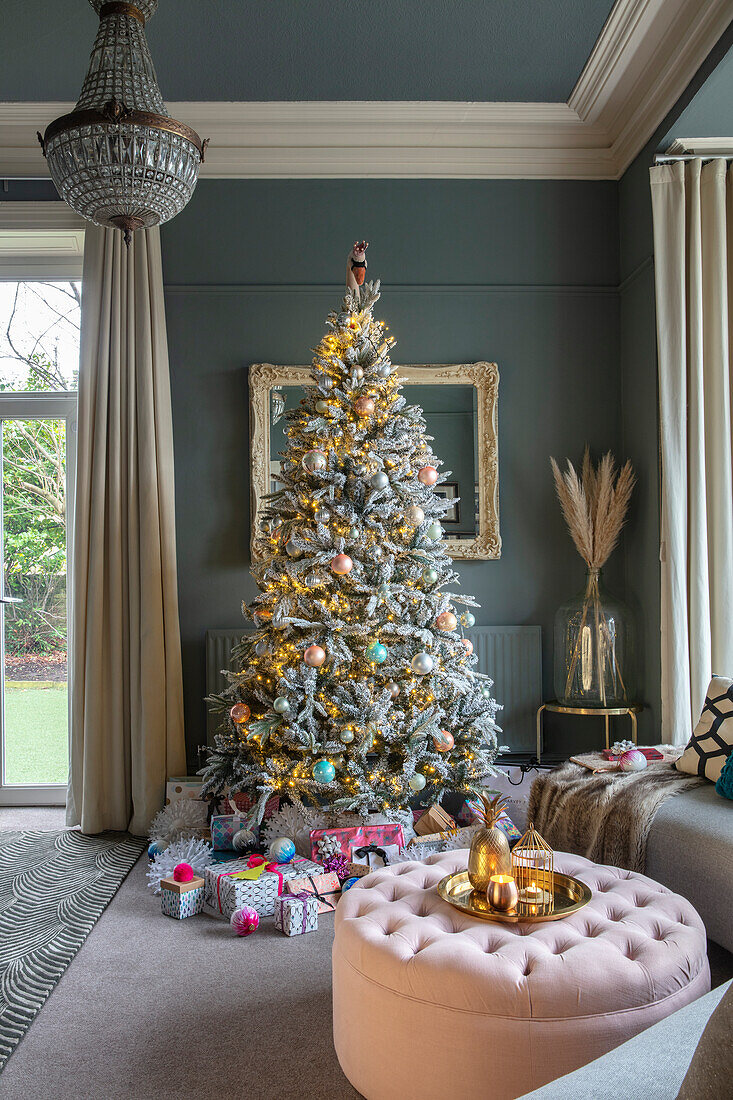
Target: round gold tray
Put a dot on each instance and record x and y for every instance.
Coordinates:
(570, 896)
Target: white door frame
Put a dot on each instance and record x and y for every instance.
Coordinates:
(44, 406)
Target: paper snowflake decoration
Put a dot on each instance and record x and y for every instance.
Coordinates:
(184, 818)
(289, 820)
(193, 851)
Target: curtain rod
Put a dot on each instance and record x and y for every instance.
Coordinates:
(666, 158)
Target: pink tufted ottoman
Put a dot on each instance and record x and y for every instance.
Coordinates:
(431, 1003)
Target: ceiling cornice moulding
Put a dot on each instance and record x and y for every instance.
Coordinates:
(645, 56)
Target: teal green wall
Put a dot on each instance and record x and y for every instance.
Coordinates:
(524, 273)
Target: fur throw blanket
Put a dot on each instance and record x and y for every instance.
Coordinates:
(604, 816)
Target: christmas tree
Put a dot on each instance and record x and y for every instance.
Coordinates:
(357, 688)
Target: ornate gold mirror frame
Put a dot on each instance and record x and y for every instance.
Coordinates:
(484, 376)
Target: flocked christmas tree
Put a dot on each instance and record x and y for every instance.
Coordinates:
(357, 688)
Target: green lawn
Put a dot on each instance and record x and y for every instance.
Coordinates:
(36, 734)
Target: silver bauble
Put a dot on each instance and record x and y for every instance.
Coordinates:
(241, 840)
(322, 515)
(430, 575)
(393, 688)
(377, 553)
(486, 691)
(327, 383)
(357, 373)
(417, 781)
(422, 663)
(414, 515)
(322, 407)
(384, 370)
(291, 549)
(379, 480)
(281, 705)
(261, 648)
(312, 580)
(434, 531)
(314, 461)
(347, 736)
(467, 619)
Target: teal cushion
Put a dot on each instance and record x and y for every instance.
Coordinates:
(724, 784)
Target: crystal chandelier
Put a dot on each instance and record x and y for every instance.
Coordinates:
(119, 159)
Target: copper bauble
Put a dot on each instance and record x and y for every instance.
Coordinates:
(446, 621)
(341, 564)
(364, 406)
(314, 656)
(240, 712)
(427, 475)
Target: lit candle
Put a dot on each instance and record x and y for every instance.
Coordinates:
(502, 892)
(534, 895)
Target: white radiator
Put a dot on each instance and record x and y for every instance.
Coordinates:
(510, 655)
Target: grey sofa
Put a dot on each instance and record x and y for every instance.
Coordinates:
(651, 1066)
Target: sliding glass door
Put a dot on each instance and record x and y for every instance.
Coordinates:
(37, 452)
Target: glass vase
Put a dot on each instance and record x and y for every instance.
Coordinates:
(594, 648)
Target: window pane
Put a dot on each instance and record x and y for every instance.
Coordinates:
(39, 336)
(34, 558)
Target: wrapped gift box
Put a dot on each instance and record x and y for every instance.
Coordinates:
(185, 786)
(182, 899)
(296, 915)
(325, 887)
(224, 828)
(373, 855)
(358, 837)
(434, 820)
(223, 894)
(244, 803)
(437, 842)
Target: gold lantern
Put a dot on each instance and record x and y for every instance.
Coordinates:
(533, 870)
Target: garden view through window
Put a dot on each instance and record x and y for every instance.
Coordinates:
(39, 363)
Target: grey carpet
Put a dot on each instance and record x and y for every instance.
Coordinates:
(53, 887)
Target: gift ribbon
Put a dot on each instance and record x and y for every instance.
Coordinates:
(304, 896)
(253, 861)
(369, 850)
(316, 894)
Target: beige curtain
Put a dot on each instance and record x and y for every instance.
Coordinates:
(693, 261)
(127, 720)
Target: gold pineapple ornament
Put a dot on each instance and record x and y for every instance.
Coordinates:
(489, 854)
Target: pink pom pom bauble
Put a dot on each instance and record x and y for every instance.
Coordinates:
(632, 761)
(314, 656)
(244, 922)
(428, 475)
(468, 644)
(364, 406)
(183, 872)
(341, 564)
(446, 621)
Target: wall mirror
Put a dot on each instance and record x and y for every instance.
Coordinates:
(460, 407)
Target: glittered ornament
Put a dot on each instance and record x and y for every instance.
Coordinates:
(376, 653)
(341, 564)
(467, 619)
(427, 475)
(183, 872)
(364, 406)
(314, 461)
(337, 863)
(393, 688)
(443, 741)
(468, 645)
(422, 663)
(430, 575)
(282, 850)
(281, 705)
(347, 736)
(324, 771)
(446, 621)
(314, 656)
(417, 781)
(632, 761)
(435, 531)
(239, 713)
(415, 515)
(322, 407)
(245, 921)
(379, 480)
(322, 515)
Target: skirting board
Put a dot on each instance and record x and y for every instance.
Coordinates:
(510, 655)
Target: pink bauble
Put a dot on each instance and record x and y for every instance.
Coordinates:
(446, 621)
(342, 564)
(632, 761)
(183, 872)
(364, 406)
(443, 741)
(468, 644)
(244, 922)
(428, 475)
(314, 656)
(240, 712)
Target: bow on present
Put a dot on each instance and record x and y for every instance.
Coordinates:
(255, 867)
(370, 850)
(303, 896)
(316, 894)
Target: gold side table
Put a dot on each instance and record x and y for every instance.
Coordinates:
(554, 707)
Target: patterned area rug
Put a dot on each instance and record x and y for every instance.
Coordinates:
(53, 888)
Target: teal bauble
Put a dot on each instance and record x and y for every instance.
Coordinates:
(467, 619)
(417, 781)
(281, 705)
(376, 653)
(434, 531)
(324, 771)
(430, 575)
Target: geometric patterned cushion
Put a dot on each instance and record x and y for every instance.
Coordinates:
(712, 740)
